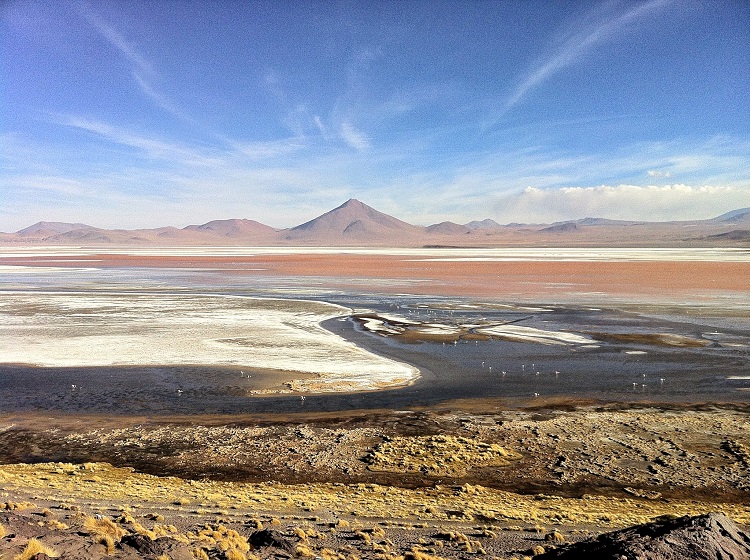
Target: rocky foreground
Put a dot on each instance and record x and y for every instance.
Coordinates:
(411, 484)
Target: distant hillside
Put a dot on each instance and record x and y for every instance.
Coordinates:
(483, 224)
(45, 229)
(563, 227)
(351, 222)
(233, 228)
(734, 235)
(357, 224)
(739, 216)
(447, 228)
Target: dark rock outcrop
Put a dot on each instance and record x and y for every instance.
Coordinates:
(145, 547)
(270, 538)
(706, 537)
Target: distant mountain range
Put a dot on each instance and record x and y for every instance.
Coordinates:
(357, 224)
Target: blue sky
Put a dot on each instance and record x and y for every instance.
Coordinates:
(175, 112)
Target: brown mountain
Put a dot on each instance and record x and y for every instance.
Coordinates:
(562, 227)
(487, 223)
(354, 222)
(739, 216)
(234, 228)
(447, 228)
(46, 229)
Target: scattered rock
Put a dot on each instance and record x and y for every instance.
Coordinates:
(164, 545)
(270, 538)
(706, 537)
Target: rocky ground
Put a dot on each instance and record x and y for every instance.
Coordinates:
(448, 483)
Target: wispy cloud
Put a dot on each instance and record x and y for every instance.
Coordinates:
(142, 71)
(256, 151)
(353, 137)
(159, 99)
(155, 148)
(53, 184)
(117, 41)
(576, 43)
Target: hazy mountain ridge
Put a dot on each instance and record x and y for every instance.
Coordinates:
(233, 228)
(741, 216)
(49, 228)
(357, 224)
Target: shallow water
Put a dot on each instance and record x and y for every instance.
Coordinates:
(511, 372)
(637, 366)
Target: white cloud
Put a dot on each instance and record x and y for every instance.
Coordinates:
(53, 184)
(625, 202)
(319, 123)
(658, 173)
(354, 137)
(577, 43)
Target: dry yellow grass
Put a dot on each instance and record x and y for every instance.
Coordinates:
(486, 505)
(419, 555)
(304, 551)
(108, 542)
(440, 455)
(103, 528)
(34, 547)
(141, 530)
(56, 525)
(554, 537)
(16, 505)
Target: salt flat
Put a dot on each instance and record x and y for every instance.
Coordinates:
(63, 329)
(446, 254)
